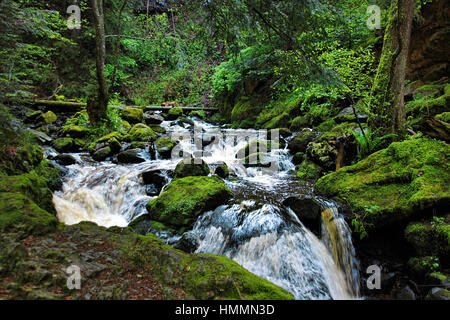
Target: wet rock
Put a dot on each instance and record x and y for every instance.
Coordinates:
(307, 209)
(68, 144)
(141, 224)
(438, 294)
(309, 170)
(152, 190)
(347, 115)
(132, 156)
(102, 153)
(301, 140)
(65, 159)
(222, 170)
(164, 147)
(155, 177)
(404, 293)
(191, 168)
(151, 119)
(40, 136)
(187, 243)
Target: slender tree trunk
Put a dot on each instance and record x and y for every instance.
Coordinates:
(387, 99)
(116, 58)
(98, 107)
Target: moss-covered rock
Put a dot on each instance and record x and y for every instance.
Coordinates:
(430, 238)
(189, 167)
(75, 131)
(47, 117)
(309, 170)
(299, 123)
(164, 147)
(246, 110)
(174, 113)
(222, 170)
(132, 115)
(204, 276)
(141, 132)
(183, 200)
(18, 213)
(198, 114)
(68, 144)
(30, 185)
(431, 100)
(279, 121)
(392, 184)
(301, 140)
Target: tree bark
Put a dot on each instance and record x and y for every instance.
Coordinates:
(98, 112)
(116, 58)
(387, 101)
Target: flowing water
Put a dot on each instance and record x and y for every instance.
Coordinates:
(255, 229)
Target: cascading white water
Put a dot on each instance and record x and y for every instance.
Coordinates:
(263, 241)
(257, 231)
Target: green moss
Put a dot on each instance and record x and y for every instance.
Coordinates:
(48, 117)
(430, 238)
(75, 131)
(184, 199)
(392, 184)
(309, 170)
(157, 128)
(204, 276)
(51, 174)
(299, 123)
(20, 214)
(279, 121)
(30, 185)
(117, 135)
(63, 144)
(445, 116)
(247, 108)
(191, 168)
(132, 115)
(164, 145)
(174, 113)
(141, 132)
(431, 104)
(198, 113)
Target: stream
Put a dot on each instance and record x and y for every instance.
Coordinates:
(254, 229)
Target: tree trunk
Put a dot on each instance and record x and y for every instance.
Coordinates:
(102, 98)
(116, 58)
(387, 101)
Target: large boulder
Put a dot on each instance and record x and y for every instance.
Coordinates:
(430, 238)
(164, 147)
(301, 140)
(75, 131)
(191, 168)
(68, 144)
(19, 213)
(174, 113)
(132, 156)
(150, 119)
(183, 200)
(132, 115)
(307, 209)
(141, 132)
(393, 184)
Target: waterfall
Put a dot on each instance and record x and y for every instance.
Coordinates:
(256, 230)
(337, 237)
